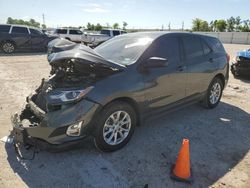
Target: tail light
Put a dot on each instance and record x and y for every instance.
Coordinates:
(228, 58)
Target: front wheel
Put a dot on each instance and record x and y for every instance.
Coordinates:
(115, 126)
(214, 93)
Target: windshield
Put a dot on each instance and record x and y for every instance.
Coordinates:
(124, 50)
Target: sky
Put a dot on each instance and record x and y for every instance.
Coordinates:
(137, 13)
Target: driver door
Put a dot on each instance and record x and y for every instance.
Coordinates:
(166, 84)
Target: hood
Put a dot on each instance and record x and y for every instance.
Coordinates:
(244, 53)
(60, 50)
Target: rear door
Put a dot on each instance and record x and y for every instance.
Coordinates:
(165, 85)
(21, 36)
(38, 39)
(200, 64)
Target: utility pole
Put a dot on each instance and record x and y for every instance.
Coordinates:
(169, 26)
(182, 27)
(43, 19)
(162, 27)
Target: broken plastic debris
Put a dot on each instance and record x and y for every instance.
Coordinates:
(7, 139)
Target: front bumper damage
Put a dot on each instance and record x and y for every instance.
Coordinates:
(47, 130)
(241, 67)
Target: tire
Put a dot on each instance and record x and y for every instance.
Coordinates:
(214, 93)
(8, 47)
(106, 125)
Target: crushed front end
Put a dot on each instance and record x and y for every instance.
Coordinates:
(241, 64)
(60, 112)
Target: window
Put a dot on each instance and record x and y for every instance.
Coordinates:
(192, 47)
(116, 33)
(75, 32)
(215, 44)
(166, 47)
(20, 30)
(35, 32)
(105, 32)
(4, 28)
(206, 48)
(124, 49)
(61, 31)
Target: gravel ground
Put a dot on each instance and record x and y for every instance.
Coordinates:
(219, 141)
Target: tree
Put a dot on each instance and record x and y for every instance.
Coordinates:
(237, 23)
(31, 22)
(246, 26)
(88, 26)
(231, 24)
(220, 25)
(98, 27)
(116, 26)
(124, 24)
(200, 25)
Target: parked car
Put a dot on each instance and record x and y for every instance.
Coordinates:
(241, 63)
(107, 91)
(72, 34)
(22, 38)
(94, 39)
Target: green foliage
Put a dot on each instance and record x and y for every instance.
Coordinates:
(200, 25)
(98, 27)
(124, 24)
(116, 26)
(31, 22)
(220, 25)
(230, 25)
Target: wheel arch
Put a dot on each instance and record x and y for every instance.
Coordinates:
(222, 78)
(8, 40)
(129, 101)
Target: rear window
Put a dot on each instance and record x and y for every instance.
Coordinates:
(215, 44)
(61, 31)
(35, 32)
(192, 47)
(20, 30)
(115, 33)
(75, 32)
(4, 28)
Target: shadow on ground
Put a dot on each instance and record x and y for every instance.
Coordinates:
(23, 53)
(219, 139)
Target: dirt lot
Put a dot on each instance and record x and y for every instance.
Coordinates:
(219, 141)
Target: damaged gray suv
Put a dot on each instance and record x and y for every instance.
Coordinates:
(105, 92)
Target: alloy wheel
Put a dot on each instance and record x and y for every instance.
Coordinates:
(116, 127)
(215, 93)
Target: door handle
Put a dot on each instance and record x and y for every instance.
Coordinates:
(211, 60)
(181, 68)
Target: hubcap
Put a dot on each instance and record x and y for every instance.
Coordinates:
(8, 47)
(215, 93)
(116, 127)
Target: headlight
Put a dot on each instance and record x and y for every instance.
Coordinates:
(68, 96)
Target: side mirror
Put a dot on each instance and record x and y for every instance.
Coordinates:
(156, 62)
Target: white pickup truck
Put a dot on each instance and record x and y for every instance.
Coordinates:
(72, 34)
(92, 39)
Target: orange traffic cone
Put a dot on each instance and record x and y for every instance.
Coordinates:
(181, 171)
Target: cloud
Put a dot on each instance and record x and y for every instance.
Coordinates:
(93, 8)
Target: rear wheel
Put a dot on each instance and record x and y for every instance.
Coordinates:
(214, 93)
(115, 126)
(8, 47)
